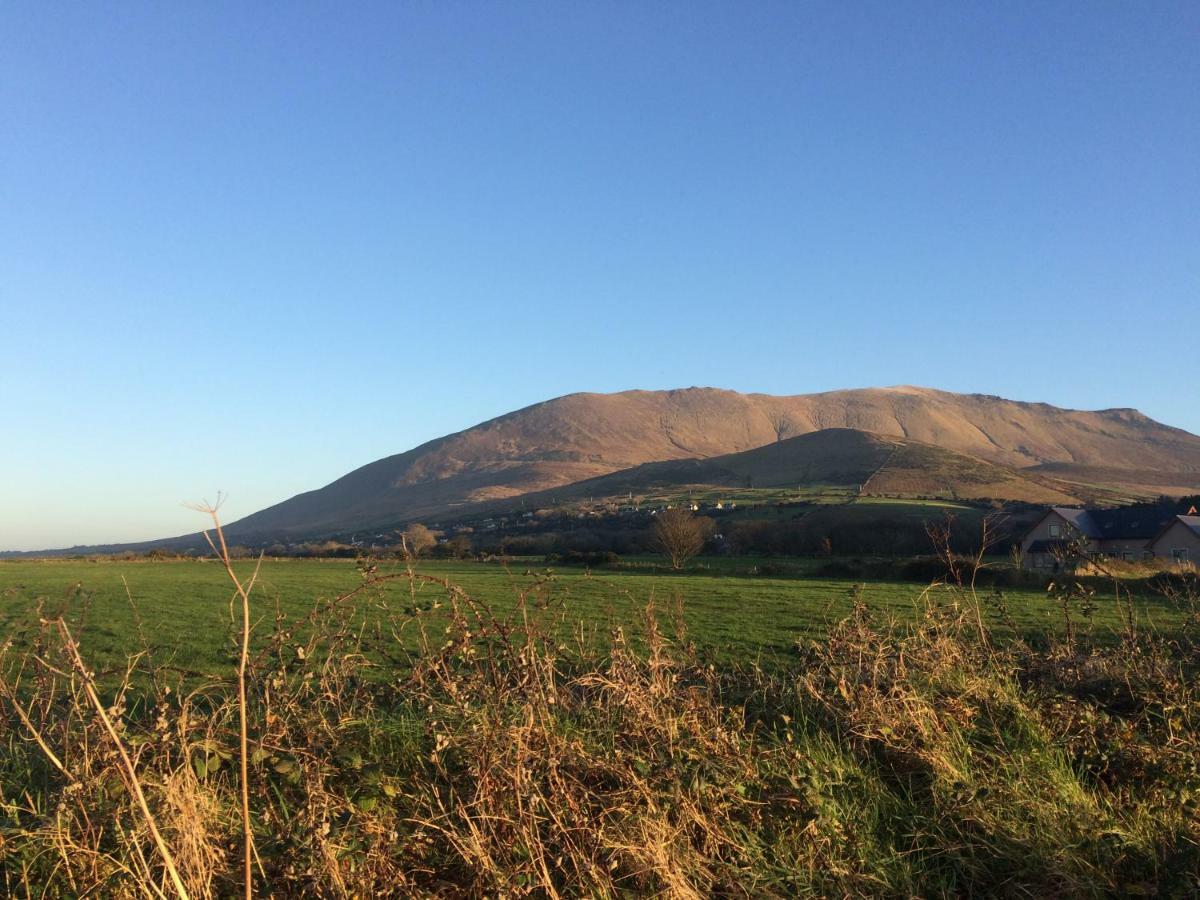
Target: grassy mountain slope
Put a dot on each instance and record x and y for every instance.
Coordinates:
(834, 457)
(1139, 480)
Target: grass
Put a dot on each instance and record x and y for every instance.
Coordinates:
(185, 612)
(922, 506)
(753, 498)
(572, 737)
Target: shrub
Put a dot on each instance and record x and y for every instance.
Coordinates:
(839, 568)
(1175, 582)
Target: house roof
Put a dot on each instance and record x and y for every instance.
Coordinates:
(1080, 518)
(1191, 523)
(1125, 523)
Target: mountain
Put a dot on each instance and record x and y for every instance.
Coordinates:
(581, 436)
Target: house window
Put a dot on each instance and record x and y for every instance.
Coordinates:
(1179, 554)
(1147, 554)
(1127, 556)
(1055, 531)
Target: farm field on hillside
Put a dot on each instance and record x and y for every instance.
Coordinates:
(184, 606)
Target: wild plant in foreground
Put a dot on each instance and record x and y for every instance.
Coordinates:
(510, 756)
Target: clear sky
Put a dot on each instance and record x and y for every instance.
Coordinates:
(251, 246)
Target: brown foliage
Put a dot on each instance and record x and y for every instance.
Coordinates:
(680, 535)
(418, 539)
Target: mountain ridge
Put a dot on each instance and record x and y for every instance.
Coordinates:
(586, 435)
(569, 439)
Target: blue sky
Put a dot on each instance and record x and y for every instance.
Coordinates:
(250, 247)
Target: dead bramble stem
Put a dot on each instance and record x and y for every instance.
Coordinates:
(25, 720)
(89, 689)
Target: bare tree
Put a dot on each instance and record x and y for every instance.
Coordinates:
(680, 535)
(784, 426)
(417, 539)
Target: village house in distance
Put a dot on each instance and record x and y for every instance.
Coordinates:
(1131, 534)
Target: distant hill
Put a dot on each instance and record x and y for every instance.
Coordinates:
(898, 440)
(581, 436)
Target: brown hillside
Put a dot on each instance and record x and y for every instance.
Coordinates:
(925, 470)
(1142, 481)
(585, 435)
(833, 457)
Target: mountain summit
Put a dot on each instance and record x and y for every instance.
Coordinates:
(583, 436)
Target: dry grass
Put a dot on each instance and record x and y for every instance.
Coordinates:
(512, 758)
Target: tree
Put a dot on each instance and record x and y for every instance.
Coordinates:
(679, 535)
(460, 546)
(417, 539)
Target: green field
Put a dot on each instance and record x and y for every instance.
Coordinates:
(184, 606)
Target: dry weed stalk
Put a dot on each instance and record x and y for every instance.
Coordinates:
(135, 785)
(33, 730)
(243, 592)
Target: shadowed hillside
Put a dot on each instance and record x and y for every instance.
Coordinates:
(834, 457)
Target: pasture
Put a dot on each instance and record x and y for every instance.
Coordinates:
(181, 609)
